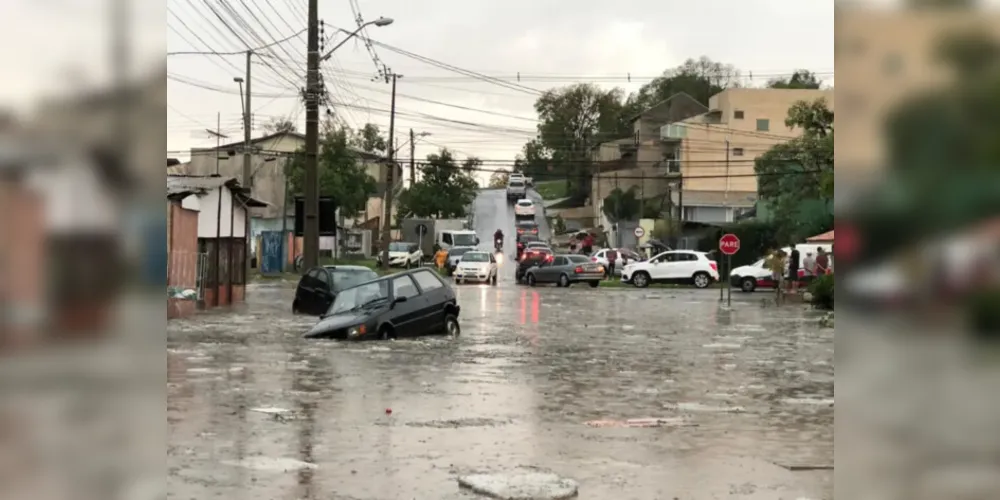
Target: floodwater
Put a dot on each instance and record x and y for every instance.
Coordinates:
(633, 394)
(257, 412)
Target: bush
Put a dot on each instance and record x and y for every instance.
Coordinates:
(822, 291)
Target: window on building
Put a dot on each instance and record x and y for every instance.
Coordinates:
(737, 151)
(738, 114)
(763, 125)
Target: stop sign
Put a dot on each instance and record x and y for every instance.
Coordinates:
(729, 244)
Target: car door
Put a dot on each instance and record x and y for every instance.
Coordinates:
(306, 293)
(553, 269)
(659, 267)
(406, 315)
(324, 291)
(433, 293)
(415, 255)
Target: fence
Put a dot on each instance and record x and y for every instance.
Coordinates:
(187, 271)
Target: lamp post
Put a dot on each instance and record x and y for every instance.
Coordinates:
(311, 206)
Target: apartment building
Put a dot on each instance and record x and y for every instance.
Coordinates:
(715, 150)
(884, 57)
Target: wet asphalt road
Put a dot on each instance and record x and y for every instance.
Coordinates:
(492, 211)
(753, 386)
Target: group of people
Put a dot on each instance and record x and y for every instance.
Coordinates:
(584, 245)
(785, 266)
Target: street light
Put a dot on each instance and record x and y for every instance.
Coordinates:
(382, 21)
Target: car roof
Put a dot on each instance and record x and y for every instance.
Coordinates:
(388, 277)
(525, 200)
(347, 268)
(525, 223)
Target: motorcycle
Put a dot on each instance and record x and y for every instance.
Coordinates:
(498, 245)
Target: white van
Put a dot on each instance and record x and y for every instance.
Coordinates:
(451, 238)
(757, 275)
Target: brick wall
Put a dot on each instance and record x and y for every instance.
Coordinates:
(22, 266)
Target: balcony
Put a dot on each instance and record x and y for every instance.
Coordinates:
(673, 132)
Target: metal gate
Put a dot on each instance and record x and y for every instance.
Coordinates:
(272, 251)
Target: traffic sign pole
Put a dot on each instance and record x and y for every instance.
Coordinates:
(729, 244)
(729, 276)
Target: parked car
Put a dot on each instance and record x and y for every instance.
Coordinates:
(405, 304)
(757, 275)
(674, 266)
(531, 258)
(564, 270)
(319, 287)
(524, 209)
(526, 227)
(477, 267)
(454, 255)
(403, 254)
(624, 256)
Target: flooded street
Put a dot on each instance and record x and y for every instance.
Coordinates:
(541, 379)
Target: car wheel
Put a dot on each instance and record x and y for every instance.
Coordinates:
(295, 307)
(702, 280)
(458, 281)
(386, 333)
(451, 326)
(595, 284)
(531, 280)
(640, 280)
(564, 281)
(748, 285)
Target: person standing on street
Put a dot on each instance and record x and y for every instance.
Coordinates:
(809, 266)
(588, 244)
(612, 259)
(793, 270)
(822, 263)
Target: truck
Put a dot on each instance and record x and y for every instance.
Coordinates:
(516, 190)
(427, 232)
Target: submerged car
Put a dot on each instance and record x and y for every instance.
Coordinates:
(406, 304)
(320, 285)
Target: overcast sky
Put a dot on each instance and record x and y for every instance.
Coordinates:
(550, 43)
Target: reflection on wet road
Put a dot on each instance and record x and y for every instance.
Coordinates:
(257, 412)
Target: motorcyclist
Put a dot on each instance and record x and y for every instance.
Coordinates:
(498, 239)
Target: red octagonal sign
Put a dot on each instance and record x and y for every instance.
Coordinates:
(729, 244)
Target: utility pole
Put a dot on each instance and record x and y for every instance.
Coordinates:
(726, 203)
(284, 216)
(311, 209)
(247, 176)
(387, 205)
(413, 168)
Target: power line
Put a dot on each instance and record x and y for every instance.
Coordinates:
(240, 53)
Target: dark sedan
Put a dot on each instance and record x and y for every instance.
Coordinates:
(531, 257)
(319, 286)
(526, 227)
(564, 270)
(405, 304)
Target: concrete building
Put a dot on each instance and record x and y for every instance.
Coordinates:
(716, 149)
(210, 248)
(271, 155)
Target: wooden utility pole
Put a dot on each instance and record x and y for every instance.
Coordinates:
(413, 167)
(247, 176)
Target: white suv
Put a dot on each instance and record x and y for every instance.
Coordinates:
(403, 254)
(674, 266)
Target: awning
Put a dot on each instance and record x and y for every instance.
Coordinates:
(822, 238)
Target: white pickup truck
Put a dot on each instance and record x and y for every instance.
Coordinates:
(516, 189)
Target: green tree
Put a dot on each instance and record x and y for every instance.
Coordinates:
(573, 120)
(370, 140)
(700, 78)
(534, 160)
(276, 125)
(342, 175)
(498, 179)
(622, 205)
(444, 191)
(793, 173)
(800, 79)
(471, 165)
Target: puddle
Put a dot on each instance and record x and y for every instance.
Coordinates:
(271, 410)
(641, 423)
(808, 401)
(703, 408)
(270, 464)
(459, 423)
(722, 346)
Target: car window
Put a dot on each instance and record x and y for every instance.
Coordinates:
(687, 256)
(560, 261)
(578, 259)
(524, 203)
(413, 248)
(446, 238)
(399, 246)
(458, 252)
(427, 281)
(476, 257)
(322, 276)
(403, 287)
(345, 278)
(600, 254)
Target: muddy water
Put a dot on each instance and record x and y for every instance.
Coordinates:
(257, 412)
